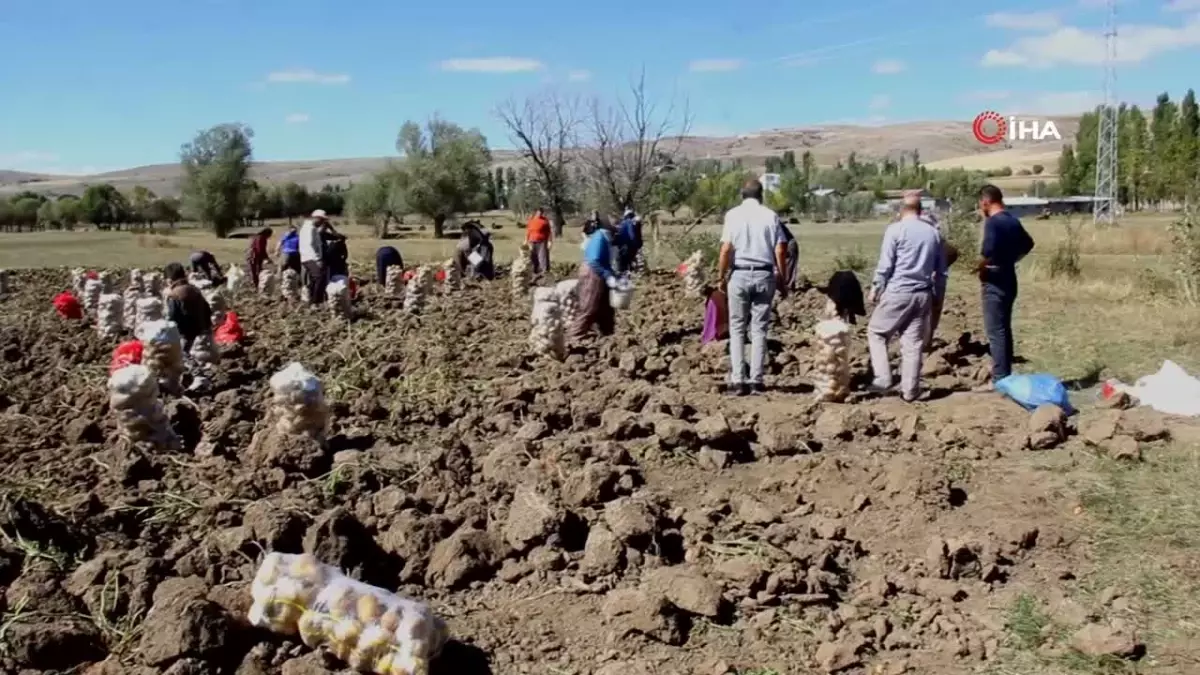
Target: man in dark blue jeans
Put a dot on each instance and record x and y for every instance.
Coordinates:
(1005, 243)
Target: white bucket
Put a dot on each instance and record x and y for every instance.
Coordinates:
(620, 298)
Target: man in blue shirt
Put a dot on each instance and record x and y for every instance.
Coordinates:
(1005, 243)
(630, 241)
(596, 277)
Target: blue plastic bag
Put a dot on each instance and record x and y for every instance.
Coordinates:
(1038, 389)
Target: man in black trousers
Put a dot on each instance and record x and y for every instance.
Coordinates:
(1005, 243)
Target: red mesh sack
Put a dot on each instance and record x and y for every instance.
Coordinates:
(67, 306)
(126, 354)
(440, 275)
(409, 275)
(230, 331)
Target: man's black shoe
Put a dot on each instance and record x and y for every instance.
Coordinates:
(737, 389)
(758, 389)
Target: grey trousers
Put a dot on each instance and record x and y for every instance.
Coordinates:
(750, 296)
(539, 257)
(906, 315)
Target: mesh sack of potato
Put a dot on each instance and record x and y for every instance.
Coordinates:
(152, 284)
(522, 274)
(78, 279)
(568, 299)
(693, 274)
(129, 307)
(289, 285)
(234, 278)
(163, 352)
(92, 290)
(108, 281)
(547, 333)
(452, 276)
(268, 283)
(204, 349)
(393, 281)
(298, 402)
(147, 310)
(420, 287)
(133, 397)
(218, 301)
(371, 629)
(337, 296)
(109, 316)
(832, 376)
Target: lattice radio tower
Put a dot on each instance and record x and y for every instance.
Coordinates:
(1104, 209)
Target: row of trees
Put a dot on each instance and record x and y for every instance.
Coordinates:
(102, 205)
(1158, 158)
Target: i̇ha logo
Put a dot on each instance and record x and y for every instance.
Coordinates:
(990, 128)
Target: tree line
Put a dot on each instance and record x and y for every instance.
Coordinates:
(1158, 157)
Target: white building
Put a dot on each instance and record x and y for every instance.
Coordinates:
(770, 182)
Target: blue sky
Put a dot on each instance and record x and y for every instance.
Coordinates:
(102, 86)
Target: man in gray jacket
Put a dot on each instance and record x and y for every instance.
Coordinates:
(910, 275)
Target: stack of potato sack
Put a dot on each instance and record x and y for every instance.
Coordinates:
(109, 316)
(568, 299)
(134, 400)
(92, 290)
(393, 281)
(163, 352)
(337, 295)
(298, 403)
(108, 281)
(420, 287)
(522, 274)
(268, 283)
(78, 279)
(547, 336)
(371, 629)
(832, 379)
(290, 286)
(453, 279)
(693, 274)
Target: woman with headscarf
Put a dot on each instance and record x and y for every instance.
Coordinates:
(596, 276)
(385, 257)
(256, 254)
(476, 243)
(336, 256)
(793, 256)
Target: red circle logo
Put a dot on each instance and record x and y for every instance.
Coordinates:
(989, 128)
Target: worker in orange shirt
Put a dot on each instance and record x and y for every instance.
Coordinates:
(538, 238)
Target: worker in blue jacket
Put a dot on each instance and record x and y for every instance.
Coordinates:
(596, 278)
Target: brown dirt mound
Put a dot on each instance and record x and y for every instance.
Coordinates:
(607, 514)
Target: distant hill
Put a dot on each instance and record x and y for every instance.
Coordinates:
(940, 144)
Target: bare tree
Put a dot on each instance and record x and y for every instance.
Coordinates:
(630, 141)
(545, 130)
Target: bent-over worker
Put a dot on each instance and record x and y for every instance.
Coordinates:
(910, 274)
(205, 264)
(186, 306)
(257, 255)
(750, 269)
(596, 277)
(474, 241)
(385, 257)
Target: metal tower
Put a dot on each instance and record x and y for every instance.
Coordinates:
(1104, 209)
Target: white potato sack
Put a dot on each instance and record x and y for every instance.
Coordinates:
(152, 284)
(136, 280)
(289, 285)
(832, 379)
(92, 290)
(393, 281)
(693, 275)
(234, 278)
(218, 302)
(134, 400)
(298, 403)
(420, 287)
(78, 279)
(147, 310)
(337, 296)
(568, 299)
(163, 352)
(108, 281)
(547, 334)
(522, 274)
(268, 284)
(373, 630)
(109, 316)
(204, 350)
(453, 280)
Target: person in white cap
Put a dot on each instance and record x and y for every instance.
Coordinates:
(312, 256)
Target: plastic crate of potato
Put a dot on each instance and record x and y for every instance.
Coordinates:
(373, 630)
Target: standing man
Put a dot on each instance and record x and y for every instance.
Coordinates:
(750, 268)
(1005, 243)
(538, 237)
(793, 257)
(289, 250)
(312, 256)
(257, 254)
(629, 234)
(910, 274)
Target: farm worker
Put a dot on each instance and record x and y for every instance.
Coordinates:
(312, 250)
(1005, 243)
(205, 264)
(910, 274)
(538, 238)
(750, 269)
(336, 255)
(793, 256)
(475, 242)
(385, 257)
(257, 254)
(186, 306)
(630, 241)
(289, 250)
(596, 277)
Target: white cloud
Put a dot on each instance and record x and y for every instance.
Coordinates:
(888, 67)
(306, 76)
(880, 102)
(715, 65)
(1026, 21)
(1072, 46)
(497, 64)
(1182, 6)
(579, 76)
(296, 118)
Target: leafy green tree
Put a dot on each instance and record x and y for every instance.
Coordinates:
(69, 211)
(673, 189)
(47, 216)
(376, 202)
(295, 200)
(443, 171)
(25, 212)
(216, 169)
(140, 198)
(164, 210)
(103, 206)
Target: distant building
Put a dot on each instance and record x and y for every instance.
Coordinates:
(770, 182)
(826, 192)
(1026, 207)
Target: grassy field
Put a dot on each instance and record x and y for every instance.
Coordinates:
(1121, 317)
